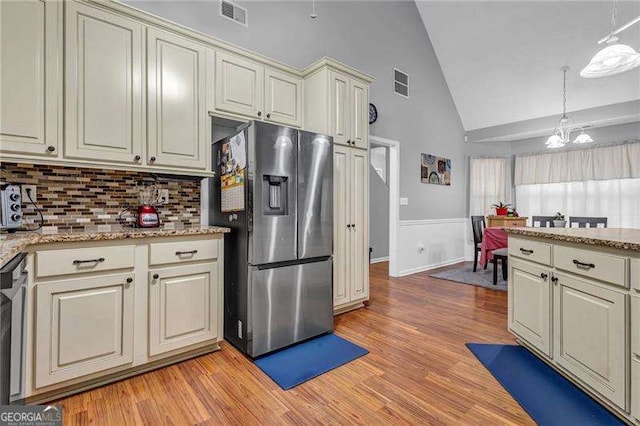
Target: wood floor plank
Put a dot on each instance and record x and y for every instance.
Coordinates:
(418, 371)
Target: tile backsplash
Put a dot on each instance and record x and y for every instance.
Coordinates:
(72, 198)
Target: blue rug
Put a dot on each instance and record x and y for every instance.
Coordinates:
(304, 361)
(545, 395)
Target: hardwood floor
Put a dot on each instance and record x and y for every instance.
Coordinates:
(418, 371)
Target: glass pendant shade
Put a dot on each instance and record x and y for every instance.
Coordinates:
(583, 138)
(555, 141)
(613, 59)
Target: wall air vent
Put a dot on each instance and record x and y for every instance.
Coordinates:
(401, 83)
(233, 12)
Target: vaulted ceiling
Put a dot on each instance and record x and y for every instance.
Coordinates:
(502, 59)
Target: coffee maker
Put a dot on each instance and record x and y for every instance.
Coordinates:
(146, 214)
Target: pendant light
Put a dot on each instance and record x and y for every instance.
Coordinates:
(562, 134)
(615, 58)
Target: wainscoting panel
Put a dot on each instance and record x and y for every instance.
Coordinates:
(432, 243)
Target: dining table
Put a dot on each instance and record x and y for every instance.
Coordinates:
(494, 237)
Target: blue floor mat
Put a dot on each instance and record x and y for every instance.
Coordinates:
(304, 361)
(544, 394)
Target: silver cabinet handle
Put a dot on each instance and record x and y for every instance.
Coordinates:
(180, 253)
(79, 262)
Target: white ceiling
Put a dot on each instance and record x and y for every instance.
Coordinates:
(502, 59)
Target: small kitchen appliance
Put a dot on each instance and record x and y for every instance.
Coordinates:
(147, 215)
(11, 207)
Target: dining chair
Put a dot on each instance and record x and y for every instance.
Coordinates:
(477, 225)
(543, 221)
(592, 222)
(502, 256)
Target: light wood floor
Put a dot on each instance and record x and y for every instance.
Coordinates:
(418, 371)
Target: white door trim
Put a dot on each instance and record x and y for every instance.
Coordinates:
(394, 199)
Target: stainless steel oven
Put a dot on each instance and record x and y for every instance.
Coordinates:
(13, 307)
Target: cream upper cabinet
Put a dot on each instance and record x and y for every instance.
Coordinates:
(177, 109)
(183, 303)
(590, 335)
(30, 77)
(339, 85)
(359, 104)
(529, 313)
(341, 225)
(239, 85)
(84, 326)
(283, 98)
(359, 256)
(103, 86)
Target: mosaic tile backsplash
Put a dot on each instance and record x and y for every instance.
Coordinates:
(72, 198)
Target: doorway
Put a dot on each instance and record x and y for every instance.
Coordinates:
(384, 186)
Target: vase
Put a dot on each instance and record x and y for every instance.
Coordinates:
(559, 223)
(502, 212)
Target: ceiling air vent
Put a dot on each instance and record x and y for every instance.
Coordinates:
(233, 12)
(401, 83)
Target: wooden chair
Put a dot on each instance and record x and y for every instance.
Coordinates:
(592, 222)
(501, 255)
(544, 221)
(478, 225)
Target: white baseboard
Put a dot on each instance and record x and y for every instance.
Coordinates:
(429, 267)
(379, 260)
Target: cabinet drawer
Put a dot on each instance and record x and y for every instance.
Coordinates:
(531, 250)
(600, 266)
(182, 251)
(81, 260)
(635, 274)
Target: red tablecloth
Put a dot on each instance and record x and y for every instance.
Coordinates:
(494, 238)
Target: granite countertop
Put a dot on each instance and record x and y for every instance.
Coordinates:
(618, 238)
(12, 244)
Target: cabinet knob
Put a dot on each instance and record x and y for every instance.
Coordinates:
(136, 158)
(129, 280)
(353, 225)
(268, 115)
(156, 276)
(259, 113)
(544, 276)
(152, 159)
(554, 280)
(51, 148)
(348, 225)
(348, 141)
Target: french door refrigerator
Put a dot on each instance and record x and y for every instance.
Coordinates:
(274, 189)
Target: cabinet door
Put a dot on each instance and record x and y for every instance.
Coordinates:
(83, 326)
(589, 335)
(529, 312)
(635, 357)
(341, 225)
(359, 114)
(183, 306)
(103, 93)
(359, 209)
(177, 111)
(283, 98)
(239, 85)
(340, 111)
(29, 76)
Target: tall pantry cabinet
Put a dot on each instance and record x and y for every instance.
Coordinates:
(337, 103)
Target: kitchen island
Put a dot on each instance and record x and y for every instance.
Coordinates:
(574, 301)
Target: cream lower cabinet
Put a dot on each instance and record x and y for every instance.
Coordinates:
(103, 86)
(29, 77)
(529, 313)
(84, 326)
(177, 110)
(351, 227)
(590, 335)
(635, 356)
(182, 306)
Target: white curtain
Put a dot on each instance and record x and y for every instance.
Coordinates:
(616, 199)
(489, 183)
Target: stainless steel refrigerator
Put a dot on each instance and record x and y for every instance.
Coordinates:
(274, 189)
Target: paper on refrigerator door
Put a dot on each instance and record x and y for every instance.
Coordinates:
(233, 163)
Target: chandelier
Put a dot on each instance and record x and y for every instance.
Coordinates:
(562, 134)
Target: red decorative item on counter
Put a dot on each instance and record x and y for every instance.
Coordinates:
(501, 211)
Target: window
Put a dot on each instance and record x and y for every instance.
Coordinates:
(489, 183)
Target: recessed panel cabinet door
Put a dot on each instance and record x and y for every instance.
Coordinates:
(341, 226)
(359, 114)
(359, 257)
(239, 85)
(530, 304)
(103, 75)
(84, 326)
(177, 101)
(340, 111)
(29, 76)
(283, 98)
(183, 305)
(590, 328)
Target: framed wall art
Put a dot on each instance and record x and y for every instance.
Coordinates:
(435, 170)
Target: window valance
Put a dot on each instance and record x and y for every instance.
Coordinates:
(602, 163)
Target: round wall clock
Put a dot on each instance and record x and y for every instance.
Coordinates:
(373, 113)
